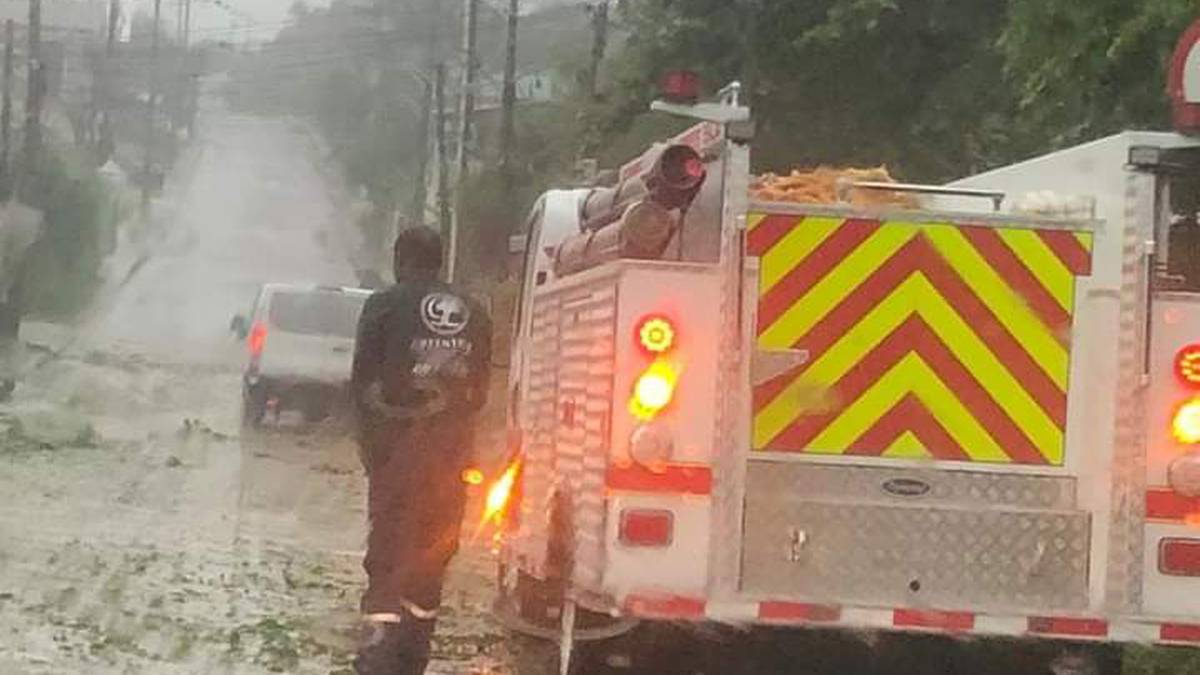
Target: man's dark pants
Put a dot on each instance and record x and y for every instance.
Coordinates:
(415, 503)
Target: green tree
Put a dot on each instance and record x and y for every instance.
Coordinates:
(933, 88)
(1085, 69)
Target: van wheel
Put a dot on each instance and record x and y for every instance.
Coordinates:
(254, 407)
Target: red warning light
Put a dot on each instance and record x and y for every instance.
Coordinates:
(1187, 365)
(680, 85)
(657, 335)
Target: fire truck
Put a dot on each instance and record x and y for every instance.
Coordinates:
(980, 416)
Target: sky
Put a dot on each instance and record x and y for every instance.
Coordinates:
(241, 20)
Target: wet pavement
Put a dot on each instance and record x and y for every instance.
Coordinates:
(142, 531)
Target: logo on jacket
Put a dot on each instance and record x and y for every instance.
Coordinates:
(445, 314)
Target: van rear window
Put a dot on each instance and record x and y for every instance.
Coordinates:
(316, 312)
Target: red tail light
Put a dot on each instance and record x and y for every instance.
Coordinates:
(680, 85)
(1187, 366)
(257, 339)
(1179, 557)
(647, 527)
(656, 334)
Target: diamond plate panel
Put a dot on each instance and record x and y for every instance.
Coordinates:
(944, 556)
(1123, 585)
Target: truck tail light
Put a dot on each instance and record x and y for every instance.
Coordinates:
(257, 339)
(1179, 557)
(656, 335)
(654, 390)
(647, 527)
(1187, 366)
(1186, 424)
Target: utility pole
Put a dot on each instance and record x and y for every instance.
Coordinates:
(190, 71)
(466, 98)
(508, 105)
(508, 101)
(443, 184)
(466, 109)
(419, 192)
(187, 23)
(33, 99)
(152, 95)
(599, 44)
(6, 113)
(106, 143)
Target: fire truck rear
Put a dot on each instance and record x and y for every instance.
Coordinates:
(957, 418)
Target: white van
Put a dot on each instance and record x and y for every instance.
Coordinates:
(300, 345)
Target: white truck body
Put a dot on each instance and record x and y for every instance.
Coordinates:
(889, 498)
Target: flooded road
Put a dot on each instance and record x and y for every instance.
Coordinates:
(142, 531)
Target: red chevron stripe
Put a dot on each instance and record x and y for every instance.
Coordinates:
(997, 339)
(1068, 249)
(801, 278)
(908, 415)
(1017, 275)
(915, 336)
(768, 232)
(918, 255)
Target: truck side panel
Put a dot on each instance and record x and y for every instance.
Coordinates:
(567, 418)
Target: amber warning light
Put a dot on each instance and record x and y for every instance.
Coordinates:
(1186, 425)
(499, 493)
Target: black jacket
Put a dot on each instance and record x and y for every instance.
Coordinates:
(429, 347)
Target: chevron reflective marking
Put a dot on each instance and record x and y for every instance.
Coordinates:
(925, 339)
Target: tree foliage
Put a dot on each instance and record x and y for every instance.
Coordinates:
(933, 88)
(1084, 69)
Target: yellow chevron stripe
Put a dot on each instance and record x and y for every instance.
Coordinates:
(795, 246)
(993, 291)
(989, 372)
(907, 446)
(910, 375)
(914, 294)
(1085, 238)
(1041, 261)
(827, 293)
(858, 341)
(753, 220)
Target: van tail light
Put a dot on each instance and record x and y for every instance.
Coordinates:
(647, 527)
(1179, 557)
(257, 339)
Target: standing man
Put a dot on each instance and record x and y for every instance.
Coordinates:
(420, 375)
